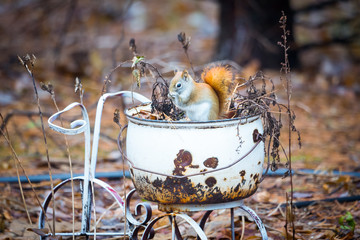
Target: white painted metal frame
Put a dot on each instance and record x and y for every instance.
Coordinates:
(83, 126)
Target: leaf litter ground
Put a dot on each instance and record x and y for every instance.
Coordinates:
(330, 137)
(328, 124)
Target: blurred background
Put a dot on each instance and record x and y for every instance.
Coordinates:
(87, 39)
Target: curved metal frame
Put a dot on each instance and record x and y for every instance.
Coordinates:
(83, 232)
(149, 230)
(134, 225)
(248, 210)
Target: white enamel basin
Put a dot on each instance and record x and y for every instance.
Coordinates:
(199, 154)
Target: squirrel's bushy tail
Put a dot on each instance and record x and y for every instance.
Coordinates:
(220, 79)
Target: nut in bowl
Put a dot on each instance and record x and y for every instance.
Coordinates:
(187, 162)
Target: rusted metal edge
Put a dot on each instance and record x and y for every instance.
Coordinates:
(181, 207)
(257, 220)
(86, 220)
(186, 124)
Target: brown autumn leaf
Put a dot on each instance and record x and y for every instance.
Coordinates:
(41, 232)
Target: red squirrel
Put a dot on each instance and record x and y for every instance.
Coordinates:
(202, 101)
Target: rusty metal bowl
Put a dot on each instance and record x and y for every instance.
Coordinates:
(184, 162)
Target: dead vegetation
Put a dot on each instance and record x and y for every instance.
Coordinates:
(328, 146)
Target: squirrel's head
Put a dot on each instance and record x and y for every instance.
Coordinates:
(180, 83)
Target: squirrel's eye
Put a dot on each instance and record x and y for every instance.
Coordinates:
(178, 85)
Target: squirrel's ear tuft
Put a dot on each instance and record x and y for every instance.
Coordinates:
(185, 74)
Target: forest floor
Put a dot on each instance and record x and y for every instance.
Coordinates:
(330, 142)
(326, 116)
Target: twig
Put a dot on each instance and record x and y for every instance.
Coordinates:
(285, 70)
(18, 176)
(105, 212)
(185, 42)
(54, 139)
(275, 210)
(272, 228)
(94, 204)
(25, 62)
(19, 113)
(20, 135)
(160, 101)
(107, 79)
(50, 89)
(243, 227)
(159, 75)
(168, 225)
(116, 120)
(79, 88)
(23, 169)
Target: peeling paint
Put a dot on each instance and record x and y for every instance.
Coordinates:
(177, 168)
(256, 177)
(211, 162)
(173, 191)
(256, 136)
(210, 181)
(183, 159)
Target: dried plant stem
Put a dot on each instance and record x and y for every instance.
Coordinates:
(70, 166)
(21, 190)
(124, 186)
(107, 79)
(185, 42)
(105, 212)
(190, 62)
(25, 63)
(117, 121)
(72, 187)
(18, 175)
(24, 171)
(242, 227)
(169, 225)
(13, 113)
(94, 204)
(282, 148)
(159, 75)
(285, 70)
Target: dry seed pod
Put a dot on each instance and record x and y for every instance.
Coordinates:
(137, 75)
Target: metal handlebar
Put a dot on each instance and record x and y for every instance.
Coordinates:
(83, 125)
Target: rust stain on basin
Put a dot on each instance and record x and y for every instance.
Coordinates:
(211, 162)
(171, 190)
(210, 181)
(175, 191)
(183, 159)
(256, 136)
(185, 165)
(256, 178)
